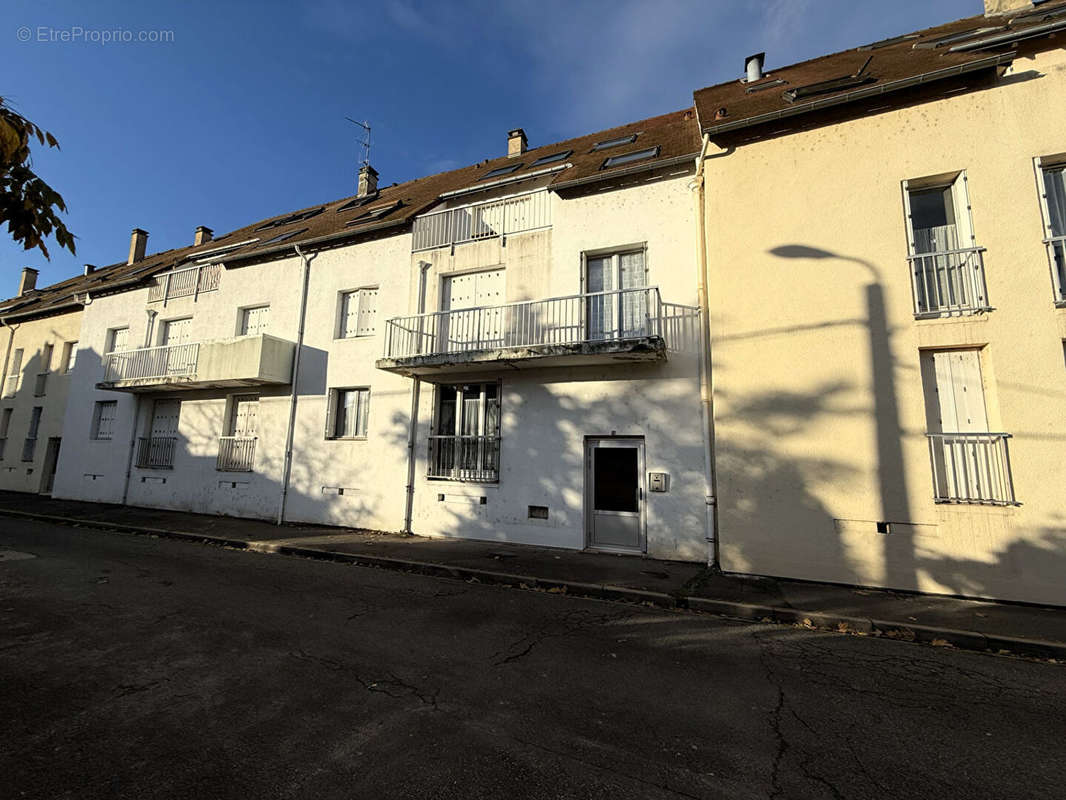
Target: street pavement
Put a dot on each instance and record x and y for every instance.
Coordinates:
(135, 667)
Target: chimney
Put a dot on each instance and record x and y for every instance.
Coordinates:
(516, 142)
(28, 281)
(203, 235)
(368, 181)
(90, 269)
(753, 67)
(996, 8)
(138, 241)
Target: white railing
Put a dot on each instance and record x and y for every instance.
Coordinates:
(949, 282)
(185, 282)
(236, 453)
(1056, 250)
(971, 468)
(577, 319)
(465, 458)
(156, 452)
(493, 218)
(152, 362)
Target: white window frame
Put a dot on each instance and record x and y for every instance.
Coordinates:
(1041, 165)
(112, 335)
(362, 416)
(365, 321)
(242, 319)
(70, 356)
(482, 431)
(11, 383)
(98, 418)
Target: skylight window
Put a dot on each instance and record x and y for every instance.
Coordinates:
(955, 37)
(500, 171)
(614, 142)
(551, 159)
(888, 42)
(376, 213)
(281, 237)
(356, 202)
(628, 158)
(277, 223)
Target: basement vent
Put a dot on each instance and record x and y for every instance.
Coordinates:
(538, 512)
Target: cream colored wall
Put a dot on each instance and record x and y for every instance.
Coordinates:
(16, 474)
(820, 415)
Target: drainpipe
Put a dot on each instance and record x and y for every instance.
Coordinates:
(149, 325)
(706, 387)
(287, 471)
(416, 388)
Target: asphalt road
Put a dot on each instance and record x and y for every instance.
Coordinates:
(133, 667)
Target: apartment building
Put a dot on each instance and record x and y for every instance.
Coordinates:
(884, 258)
(39, 331)
(508, 351)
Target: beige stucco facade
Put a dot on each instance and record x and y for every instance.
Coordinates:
(820, 416)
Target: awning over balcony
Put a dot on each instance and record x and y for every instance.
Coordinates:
(588, 329)
(241, 361)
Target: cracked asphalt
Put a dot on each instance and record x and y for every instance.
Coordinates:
(133, 667)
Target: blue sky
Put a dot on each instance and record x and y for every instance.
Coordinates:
(242, 115)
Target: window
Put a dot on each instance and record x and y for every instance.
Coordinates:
(40, 385)
(1053, 204)
(947, 268)
(551, 159)
(253, 321)
(348, 414)
(156, 451)
(970, 463)
(11, 386)
(297, 217)
(628, 158)
(236, 450)
(117, 340)
(465, 443)
(281, 237)
(5, 423)
(608, 143)
(495, 173)
(70, 355)
(358, 313)
(104, 414)
(616, 299)
(30, 445)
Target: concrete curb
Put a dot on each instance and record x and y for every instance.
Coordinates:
(750, 612)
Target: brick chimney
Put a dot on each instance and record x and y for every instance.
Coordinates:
(368, 181)
(203, 235)
(516, 142)
(28, 281)
(138, 242)
(995, 8)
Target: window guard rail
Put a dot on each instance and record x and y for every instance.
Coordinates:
(236, 453)
(949, 282)
(486, 220)
(971, 468)
(1056, 249)
(557, 321)
(465, 458)
(152, 362)
(185, 282)
(156, 452)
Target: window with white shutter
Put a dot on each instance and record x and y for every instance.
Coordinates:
(358, 313)
(253, 321)
(104, 414)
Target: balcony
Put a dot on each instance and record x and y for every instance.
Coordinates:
(490, 219)
(188, 282)
(236, 453)
(241, 361)
(465, 458)
(971, 468)
(949, 283)
(156, 452)
(585, 329)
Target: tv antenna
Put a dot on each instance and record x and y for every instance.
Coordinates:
(363, 143)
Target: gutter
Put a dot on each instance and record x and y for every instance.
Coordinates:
(634, 170)
(861, 94)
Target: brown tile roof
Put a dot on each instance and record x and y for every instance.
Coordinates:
(675, 136)
(878, 68)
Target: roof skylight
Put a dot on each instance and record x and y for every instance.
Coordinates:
(614, 142)
(376, 213)
(281, 237)
(277, 223)
(495, 173)
(628, 158)
(552, 158)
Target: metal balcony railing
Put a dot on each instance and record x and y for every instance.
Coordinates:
(971, 468)
(465, 458)
(156, 452)
(949, 282)
(236, 453)
(493, 218)
(185, 282)
(1056, 249)
(152, 362)
(579, 318)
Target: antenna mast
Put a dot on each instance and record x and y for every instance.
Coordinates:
(363, 143)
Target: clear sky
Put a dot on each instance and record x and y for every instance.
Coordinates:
(241, 115)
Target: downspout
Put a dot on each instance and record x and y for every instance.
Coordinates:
(287, 471)
(706, 387)
(416, 389)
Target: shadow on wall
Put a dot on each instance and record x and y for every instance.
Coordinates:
(772, 477)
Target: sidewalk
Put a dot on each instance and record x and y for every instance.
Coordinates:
(974, 625)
